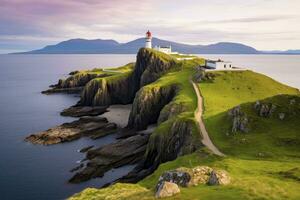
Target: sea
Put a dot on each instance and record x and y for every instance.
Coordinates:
(37, 172)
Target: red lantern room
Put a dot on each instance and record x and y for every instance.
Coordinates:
(148, 34)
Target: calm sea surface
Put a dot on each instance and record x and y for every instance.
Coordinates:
(41, 172)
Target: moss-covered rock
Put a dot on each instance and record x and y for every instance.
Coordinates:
(148, 103)
(121, 88)
(170, 140)
(106, 91)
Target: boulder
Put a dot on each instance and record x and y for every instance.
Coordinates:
(181, 176)
(218, 177)
(167, 189)
(186, 177)
(200, 175)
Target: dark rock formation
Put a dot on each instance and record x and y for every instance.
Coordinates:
(264, 109)
(122, 152)
(77, 168)
(176, 140)
(186, 177)
(85, 126)
(179, 176)
(104, 92)
(85, 149)
(74, 90)
(148, 103)
(74, 83)
(79, 111)
(122, 89)
(239, 120)
(150, 65)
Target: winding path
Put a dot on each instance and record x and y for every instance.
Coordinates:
(198, 115)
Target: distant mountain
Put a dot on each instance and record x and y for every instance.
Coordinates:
(82, 46)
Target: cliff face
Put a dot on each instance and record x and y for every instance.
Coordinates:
(175, 138)
(107, 91)
(150, 65)
(148, 103)
(122, 88)
(78, 80)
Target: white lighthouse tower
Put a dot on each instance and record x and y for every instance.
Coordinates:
(148, 40)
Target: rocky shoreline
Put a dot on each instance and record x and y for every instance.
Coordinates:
(150, 105)
(93, 127)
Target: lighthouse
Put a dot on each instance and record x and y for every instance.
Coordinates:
(148, 40)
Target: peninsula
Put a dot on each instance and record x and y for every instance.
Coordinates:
(219, 134)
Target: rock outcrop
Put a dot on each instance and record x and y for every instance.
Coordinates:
(239, 120)
(93, 127)
(79, 111)
(121, 88)
(106, 91)
(264, 109)
(177, 139)
(150, 65)
(148, 103)
(167, 189)
(186, 177)
(122, 152)
(74, 83)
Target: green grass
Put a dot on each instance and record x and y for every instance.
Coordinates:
(250, 179)
(230, 89)
(275, 175)
(182, 56)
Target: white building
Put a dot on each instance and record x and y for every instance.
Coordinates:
(167, 50)
(218, 64)
(148, 40)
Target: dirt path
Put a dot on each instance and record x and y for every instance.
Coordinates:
(198, 115)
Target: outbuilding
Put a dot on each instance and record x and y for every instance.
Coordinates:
(218, 64)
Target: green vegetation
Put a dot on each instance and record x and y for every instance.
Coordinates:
(183, 56)
(122, 69)
(251, 179)
(263, 163)
(230, 89)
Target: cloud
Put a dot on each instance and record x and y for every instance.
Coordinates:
(256, 19)
(190, 21)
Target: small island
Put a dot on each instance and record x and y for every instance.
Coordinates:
(218, 134)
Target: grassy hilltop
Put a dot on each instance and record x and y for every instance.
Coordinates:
(264, 163)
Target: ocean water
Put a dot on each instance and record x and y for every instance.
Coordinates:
(41, 172)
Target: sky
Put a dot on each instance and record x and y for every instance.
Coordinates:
(262, 24)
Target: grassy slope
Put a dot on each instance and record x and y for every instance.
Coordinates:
(185, 97)
(230, 89)
(122, 69)
(275, 176)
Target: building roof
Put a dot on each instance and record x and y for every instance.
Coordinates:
(217, 61)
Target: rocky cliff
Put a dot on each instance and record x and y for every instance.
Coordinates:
(121, 88)
(172, 139)
(148, 103)
(106, 91)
